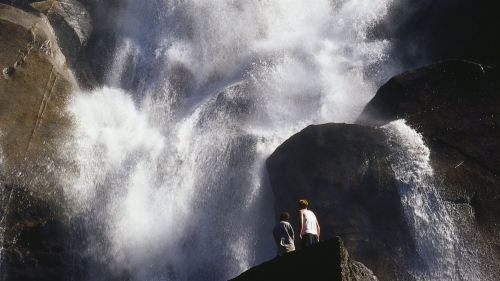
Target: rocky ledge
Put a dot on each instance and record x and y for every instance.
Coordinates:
(327, 260)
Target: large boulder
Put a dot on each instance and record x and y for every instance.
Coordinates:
(344, 172)
(454, 102)
(327, 260)
(347, 173)
(455, 105)
(72, 24)
(72, 12)
(86, 33)
(34, 87)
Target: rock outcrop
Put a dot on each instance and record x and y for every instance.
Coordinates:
(73, 26)
(327, 260)
(344, 173)
(86, 33)
(72, 12)
(455, 105)
(34, 90)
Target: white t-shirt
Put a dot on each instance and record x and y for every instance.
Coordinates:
(309, 223)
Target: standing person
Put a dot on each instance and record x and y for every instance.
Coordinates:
(283, 234)
(309, 226)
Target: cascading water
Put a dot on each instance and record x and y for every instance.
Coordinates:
(441, 245)
(168, 173)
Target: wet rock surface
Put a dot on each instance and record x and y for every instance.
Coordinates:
(455, 105)
(344, 170)
(72, 12)
(328, 260)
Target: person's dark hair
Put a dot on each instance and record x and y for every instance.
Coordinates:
(303, 204)
(284, 216)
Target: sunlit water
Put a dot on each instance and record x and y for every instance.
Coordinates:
(168, 174)
(444, 251)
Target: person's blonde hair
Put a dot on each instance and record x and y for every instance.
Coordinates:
(303, 203)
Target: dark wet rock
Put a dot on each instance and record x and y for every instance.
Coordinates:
(102, 44)
(344, 173)
(344, 170)
(72, 12)
(455, 105)
(454, 102)
(327, 260)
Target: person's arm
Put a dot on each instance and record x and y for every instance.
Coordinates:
(301, 214)
(317, 227)
(275, 238)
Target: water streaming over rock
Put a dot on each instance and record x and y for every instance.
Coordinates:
(444, 248)
(168, 179)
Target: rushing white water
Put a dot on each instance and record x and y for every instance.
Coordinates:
(443, 253)
(168, 159)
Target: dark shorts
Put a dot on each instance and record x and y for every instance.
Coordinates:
(308, 239)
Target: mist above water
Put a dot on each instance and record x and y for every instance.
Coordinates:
(168, 158)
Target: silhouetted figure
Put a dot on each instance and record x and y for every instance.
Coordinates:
(283, 235)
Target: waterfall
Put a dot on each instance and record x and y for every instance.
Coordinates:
(167, 178)
(443, 253)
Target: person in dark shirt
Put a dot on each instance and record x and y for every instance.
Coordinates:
(283, 235)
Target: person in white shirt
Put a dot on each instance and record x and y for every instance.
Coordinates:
(309, 226)
(283, 234)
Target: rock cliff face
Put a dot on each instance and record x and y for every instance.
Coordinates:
(34, 88)
(345, 173)
(455, 105)
(327, 260)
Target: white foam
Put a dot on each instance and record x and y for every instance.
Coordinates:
(439, 241)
